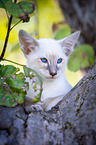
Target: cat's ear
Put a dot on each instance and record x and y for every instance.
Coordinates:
(68, 43)
(27, 42)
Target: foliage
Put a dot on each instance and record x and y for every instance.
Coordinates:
(13, 88)
(19, 10)
(13, 85)
(82, 56)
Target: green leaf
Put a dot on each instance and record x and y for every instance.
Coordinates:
(74, 61)
(8, 70)
(13, 86)
(36, 82)
(15, 83)
(87, 50)
(84, 63)
(19, 10)
(27, 7)
(82, 57)
(3, 3)
(13, 9)
(62, 33)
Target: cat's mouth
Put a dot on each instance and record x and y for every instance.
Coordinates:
(51, 77)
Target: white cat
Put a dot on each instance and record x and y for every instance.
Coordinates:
(49, 58)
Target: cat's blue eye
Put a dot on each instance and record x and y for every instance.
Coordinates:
(59, 60)
(44, 60)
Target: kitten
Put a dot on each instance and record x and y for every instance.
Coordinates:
(49, 58)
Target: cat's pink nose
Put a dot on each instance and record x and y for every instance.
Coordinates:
(53, 74)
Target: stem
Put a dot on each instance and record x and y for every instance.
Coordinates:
(6, 39)
(7, 15)
(15, 25)
(12, 62)
(7, 36)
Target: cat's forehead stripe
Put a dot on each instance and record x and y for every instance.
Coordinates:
(52, 59)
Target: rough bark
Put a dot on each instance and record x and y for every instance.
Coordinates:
(71, 122)
(81, 15)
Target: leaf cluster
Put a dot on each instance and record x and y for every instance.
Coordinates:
(19, 10)
(82, 56)
(14, 87)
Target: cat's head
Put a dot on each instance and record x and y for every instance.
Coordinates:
(47, 56)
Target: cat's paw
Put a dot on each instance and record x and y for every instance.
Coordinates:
(33, 108)
(36, 107)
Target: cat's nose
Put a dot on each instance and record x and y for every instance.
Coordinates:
(52, 70)
(53, 74)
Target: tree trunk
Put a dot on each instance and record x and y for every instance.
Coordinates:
(71, 122)
(81, 15)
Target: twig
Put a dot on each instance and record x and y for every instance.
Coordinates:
(7, 36)
(7, 15)
(12, 62)
(15, 25)
(6, 39)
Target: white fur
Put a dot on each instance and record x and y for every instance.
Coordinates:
(54, 88)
